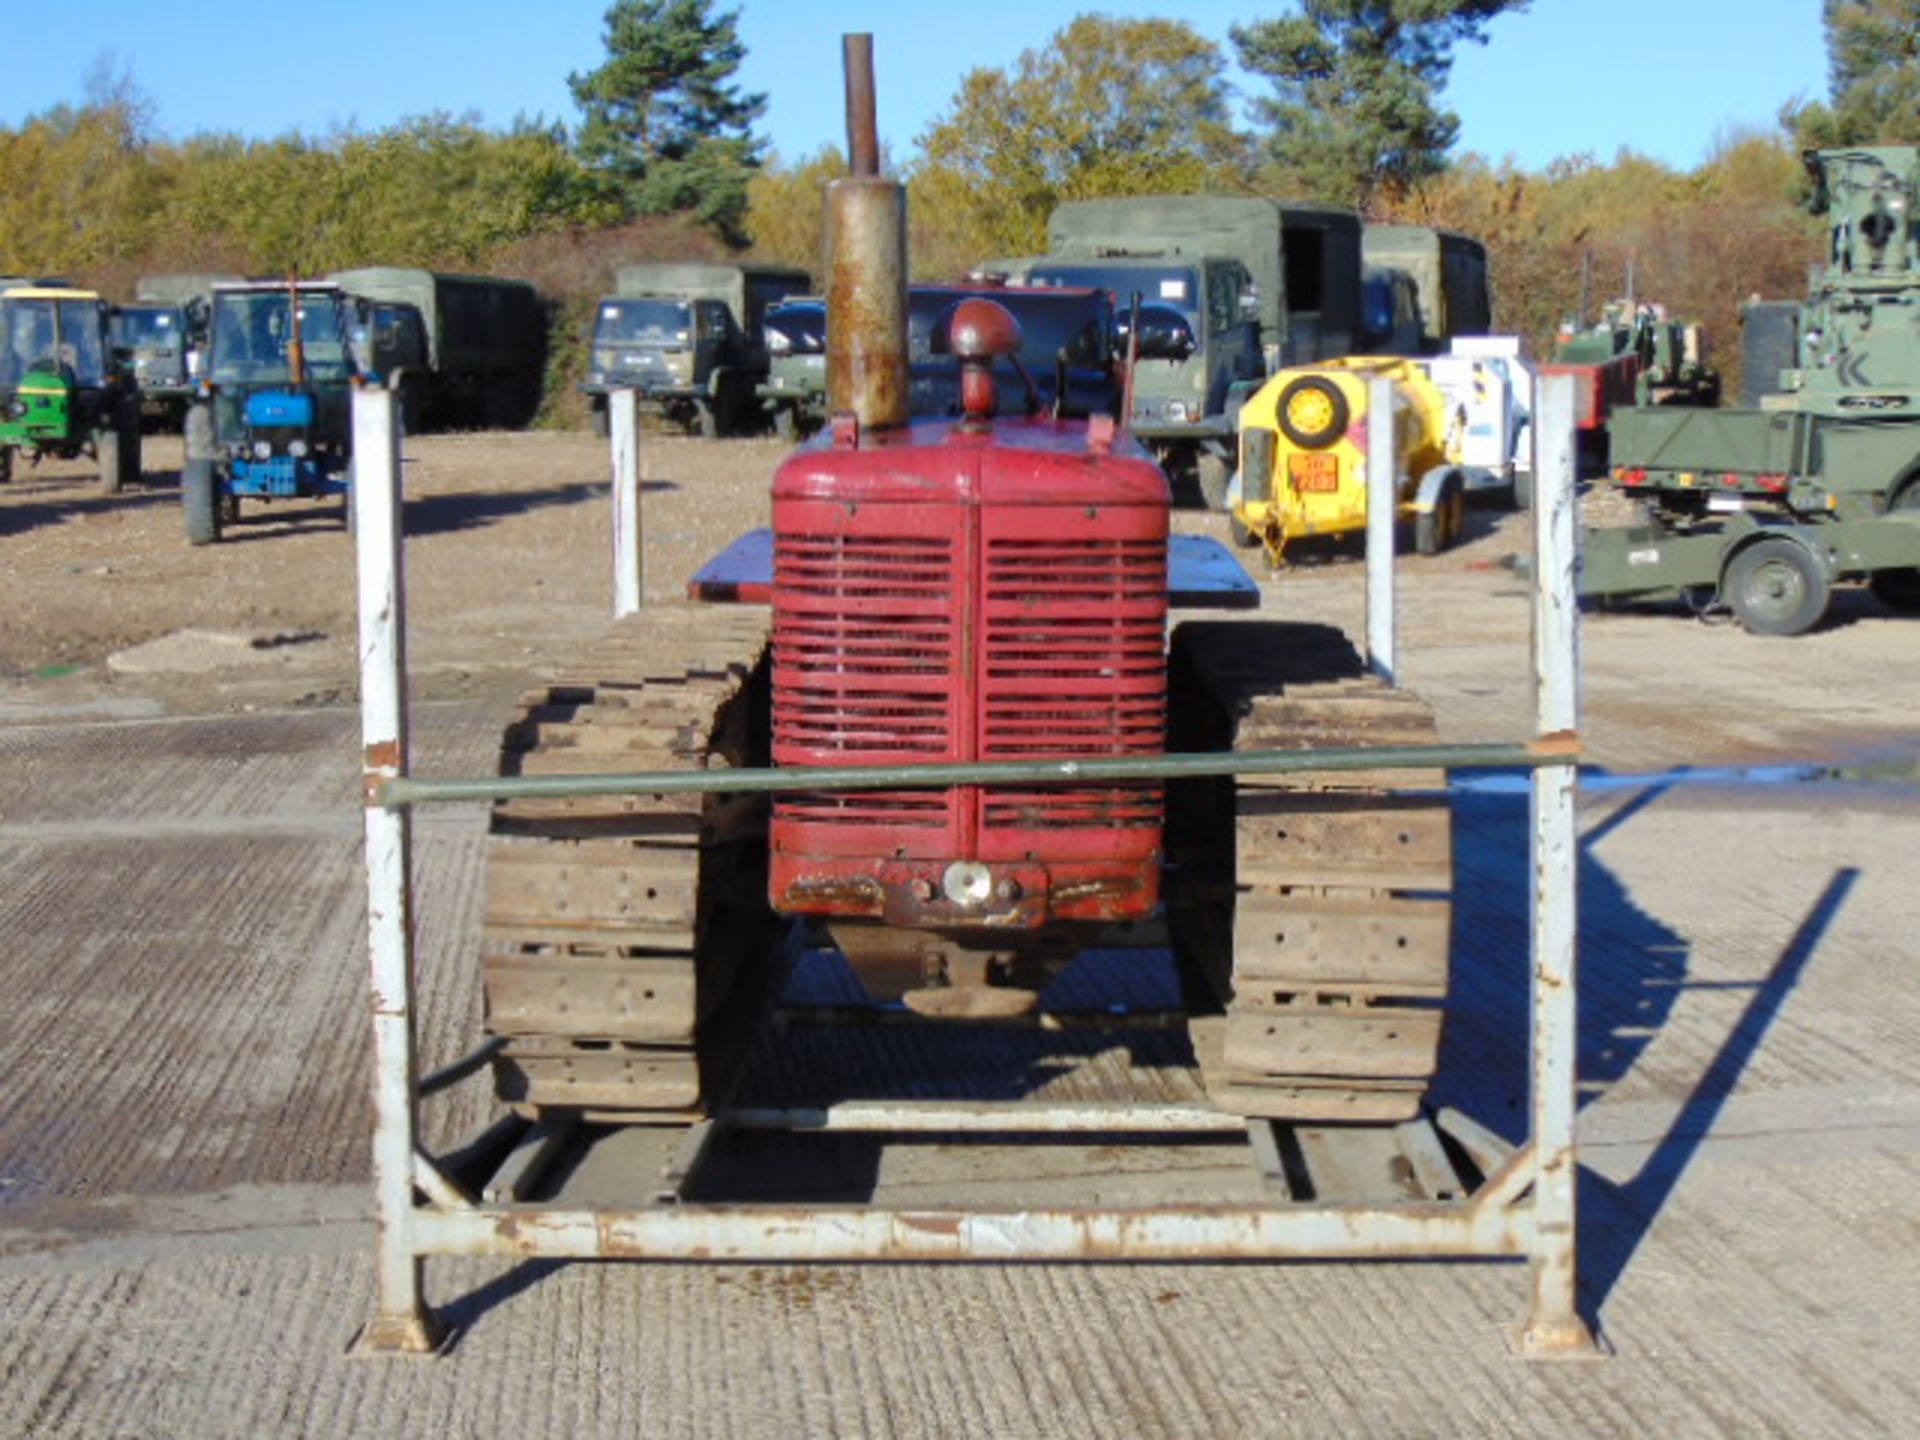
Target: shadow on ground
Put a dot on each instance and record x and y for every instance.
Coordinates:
(1633, 970)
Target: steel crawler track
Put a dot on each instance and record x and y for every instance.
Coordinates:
(617, 929)
(1311, 912)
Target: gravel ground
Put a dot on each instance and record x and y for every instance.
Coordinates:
(185, 1246)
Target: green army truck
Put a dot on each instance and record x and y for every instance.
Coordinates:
(794, 394)
(64, 391)
(1262, 283)
(690, 339)
(482, 341)
(1763, 510)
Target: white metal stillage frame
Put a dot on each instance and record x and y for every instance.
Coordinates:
(1525, 1208)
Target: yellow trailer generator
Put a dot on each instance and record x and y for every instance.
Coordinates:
(1304, 439)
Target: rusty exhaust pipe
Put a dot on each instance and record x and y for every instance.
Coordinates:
(867, 285)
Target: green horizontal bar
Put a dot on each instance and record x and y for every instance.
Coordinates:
(404, 791)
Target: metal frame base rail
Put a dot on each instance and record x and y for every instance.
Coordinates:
(1523, 1208)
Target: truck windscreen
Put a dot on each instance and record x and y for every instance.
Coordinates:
(650, 322)
(53, 332)
(1175, 285)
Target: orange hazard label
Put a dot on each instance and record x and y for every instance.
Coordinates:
(1316, 472)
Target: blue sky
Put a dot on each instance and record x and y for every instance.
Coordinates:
(1662, 76)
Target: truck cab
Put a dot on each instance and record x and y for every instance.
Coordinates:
(1184, 400)
(159, 338)
(690, 339)
(668, 348)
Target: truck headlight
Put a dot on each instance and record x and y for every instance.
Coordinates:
(297, 449)
(262, 450)
(1177, 411)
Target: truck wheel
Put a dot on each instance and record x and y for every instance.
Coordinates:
(1212, 472)
(1441, 527)
(6, 464)
(1774, 587)
(1312, 412)
(200, 502)
(602, 426)
(786, 425)
(1242, 536)
(707, 419)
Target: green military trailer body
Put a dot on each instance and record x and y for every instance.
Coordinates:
(690, 339)
(1767, 508)
(486, 340)
(64, 391)
(1449, 271)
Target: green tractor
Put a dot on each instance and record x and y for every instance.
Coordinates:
(64, 391)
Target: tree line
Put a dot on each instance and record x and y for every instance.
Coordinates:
(666, 162)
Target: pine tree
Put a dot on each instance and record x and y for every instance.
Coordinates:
(1873, 76)
(1357, 84)
(661, 121)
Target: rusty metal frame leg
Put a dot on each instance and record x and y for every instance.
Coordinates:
(401, 1322)
(1554, 1326)
(623, 429)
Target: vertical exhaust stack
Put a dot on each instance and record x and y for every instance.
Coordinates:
(867, 288)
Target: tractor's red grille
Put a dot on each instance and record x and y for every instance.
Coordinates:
(1074, 664)
(865, 654)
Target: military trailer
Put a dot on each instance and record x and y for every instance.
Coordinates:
(690, 339)
(64, 391)
(272, 419)
(485, 341)
(1763, 510)
(1449, 272)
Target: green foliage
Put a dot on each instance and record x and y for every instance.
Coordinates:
(1106, 107)
(661, 122)
(1356, 108)
(1873, 76)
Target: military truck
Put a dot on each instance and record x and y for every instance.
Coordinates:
(1262, 283)
(794, 394)
(272, 419)
(484, 341)
(1449, 273)
(156, 337)
(1761, 511)
(691, 339)
(64, 391)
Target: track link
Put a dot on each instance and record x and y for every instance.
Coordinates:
(1310, 911)
(618, 929)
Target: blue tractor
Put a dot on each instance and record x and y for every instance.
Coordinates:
(273, 417)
